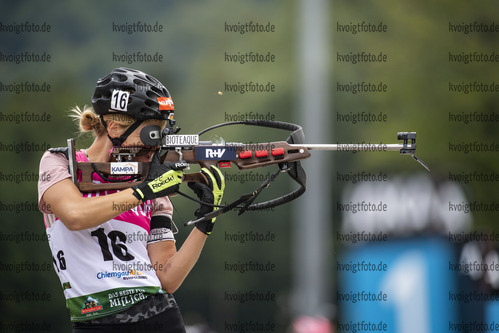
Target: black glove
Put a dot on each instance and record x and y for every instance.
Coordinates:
(163, 179)
(211, 194)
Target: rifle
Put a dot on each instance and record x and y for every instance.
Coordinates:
(188, 148)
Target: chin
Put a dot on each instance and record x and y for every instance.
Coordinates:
(144, 158)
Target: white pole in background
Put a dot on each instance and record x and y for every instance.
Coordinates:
(312, 225)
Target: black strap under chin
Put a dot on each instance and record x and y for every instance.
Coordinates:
(117, 142)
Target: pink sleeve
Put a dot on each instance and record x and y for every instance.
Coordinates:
(53, 169)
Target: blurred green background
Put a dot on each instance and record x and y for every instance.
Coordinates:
(193, 43)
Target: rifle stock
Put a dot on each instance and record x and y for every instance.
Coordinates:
(244, 156)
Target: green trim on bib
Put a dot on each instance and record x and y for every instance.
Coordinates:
(108, 302)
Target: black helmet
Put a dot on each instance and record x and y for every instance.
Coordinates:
(134, 93)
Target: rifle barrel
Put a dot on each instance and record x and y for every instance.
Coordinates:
(352, 146)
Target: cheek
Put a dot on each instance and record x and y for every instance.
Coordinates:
(133, 140)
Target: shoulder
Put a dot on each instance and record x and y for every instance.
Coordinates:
(53, 158)
(53, 169)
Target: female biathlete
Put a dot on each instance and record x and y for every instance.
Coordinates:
(114, 251)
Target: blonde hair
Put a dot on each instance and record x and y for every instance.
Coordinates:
(89, 121)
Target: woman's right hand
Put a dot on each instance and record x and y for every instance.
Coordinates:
(162, 180)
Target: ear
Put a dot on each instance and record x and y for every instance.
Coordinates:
(114, 129)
